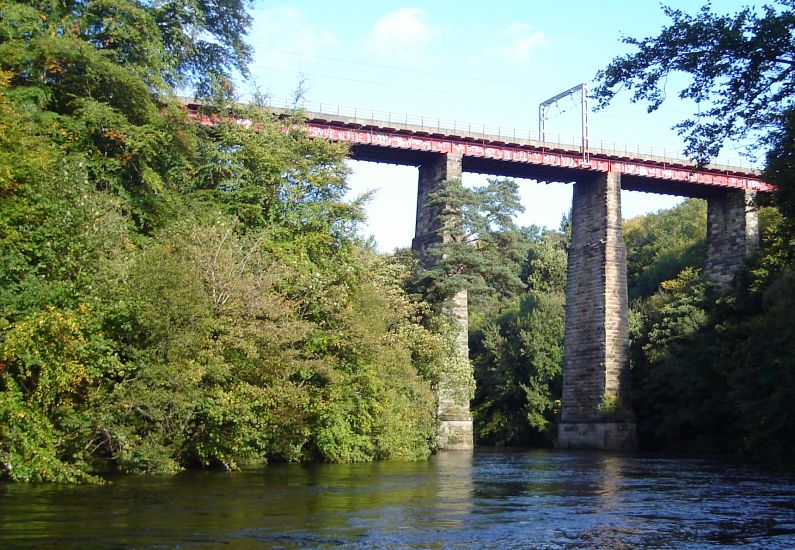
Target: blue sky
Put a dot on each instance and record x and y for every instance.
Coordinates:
(476, 62)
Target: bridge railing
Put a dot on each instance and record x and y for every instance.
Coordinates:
(430, 124)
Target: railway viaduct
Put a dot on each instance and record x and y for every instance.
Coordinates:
(596, 340)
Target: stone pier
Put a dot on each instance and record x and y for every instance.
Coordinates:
(596, 405)
(455, 431)
(732, 234)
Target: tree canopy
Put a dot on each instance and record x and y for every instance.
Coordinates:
(176, 295)
(741, 71)
(712, 373)
(480, 245)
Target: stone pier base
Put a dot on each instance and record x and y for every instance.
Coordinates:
(613, 436)
(455, 419)
(456, 433)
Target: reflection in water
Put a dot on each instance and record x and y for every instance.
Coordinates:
(453, 500)
(495, 499)
(610, 482)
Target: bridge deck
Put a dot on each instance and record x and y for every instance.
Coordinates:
(397, 142)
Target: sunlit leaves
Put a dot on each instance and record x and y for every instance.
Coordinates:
(174, 295)
(661, 244)
(204, 41)
(518, 355)
(54, 356)
(741, 69)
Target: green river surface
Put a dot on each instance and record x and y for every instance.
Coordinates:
(486, 499)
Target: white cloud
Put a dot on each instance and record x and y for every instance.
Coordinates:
(402, 34)
(519, 42)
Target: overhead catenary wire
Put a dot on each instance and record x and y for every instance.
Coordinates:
(410, 70)
(384, 77)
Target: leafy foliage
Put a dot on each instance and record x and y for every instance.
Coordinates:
(204, 42)
(661, 245)
(779, 167)
(715, 374)
(519, 372)
(712, 376)
(740, 66)
(481, 246)
(173, 295)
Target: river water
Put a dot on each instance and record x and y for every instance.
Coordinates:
(485, 499)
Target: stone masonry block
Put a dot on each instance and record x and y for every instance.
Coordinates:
(732, 233)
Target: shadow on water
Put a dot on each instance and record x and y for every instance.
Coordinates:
(489, 498)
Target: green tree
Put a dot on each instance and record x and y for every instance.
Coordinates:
(481, 248)
(273, 178)
(101, 74)
(779, 169)
(711, 375)
(721, 366)
(176, 295)
(518, 356)
(660, 245)
(204, 42)
(741, 71)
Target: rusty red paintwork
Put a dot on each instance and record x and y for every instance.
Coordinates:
(535, 155)
(528, 154)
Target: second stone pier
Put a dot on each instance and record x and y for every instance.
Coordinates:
(596, 405)
(455, 419)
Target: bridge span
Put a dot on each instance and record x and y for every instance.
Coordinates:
(544, 161)
(596, 409)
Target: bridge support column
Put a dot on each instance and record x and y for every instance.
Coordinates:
(596, 407)
(455, 432)
(732, 234)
